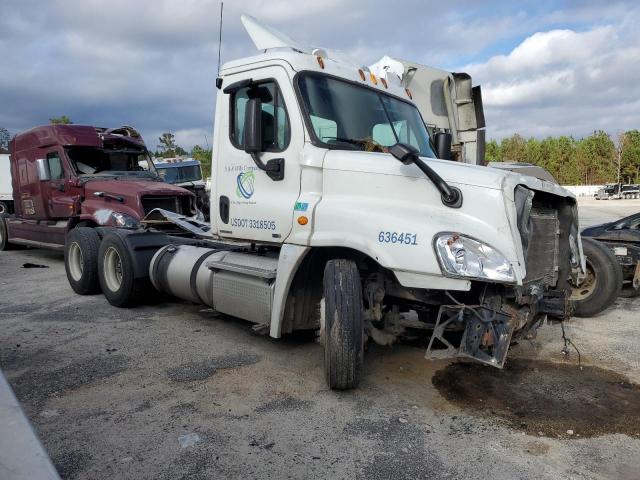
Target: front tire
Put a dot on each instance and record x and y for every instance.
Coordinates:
(602, 284)
(81, 260)
(343, 333)
(116, 273)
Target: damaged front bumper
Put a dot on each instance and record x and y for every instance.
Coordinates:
(487, 332)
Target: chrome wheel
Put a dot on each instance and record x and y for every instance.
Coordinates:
(76, 262)
(112, 269)
(588, 285)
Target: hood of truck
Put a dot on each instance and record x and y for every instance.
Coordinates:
(133, 188)
(371, 199)
(456, 173)
(99, 209)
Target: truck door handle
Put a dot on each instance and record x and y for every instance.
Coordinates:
(224, 209)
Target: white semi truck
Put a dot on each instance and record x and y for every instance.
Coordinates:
(332, 212)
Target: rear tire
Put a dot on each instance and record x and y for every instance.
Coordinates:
(343, 333)
(4, 236)
(603, 283)
(116, 273)
(81, 260)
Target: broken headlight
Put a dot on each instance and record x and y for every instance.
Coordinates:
(123, 220)
(461, 256)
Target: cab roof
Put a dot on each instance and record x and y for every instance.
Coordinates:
(75, 135)
(277, 47)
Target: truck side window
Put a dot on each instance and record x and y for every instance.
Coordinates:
(275, 121)
(55, 166)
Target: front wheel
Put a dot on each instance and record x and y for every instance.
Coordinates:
(602, 283)
(81, 260)
(343, 332)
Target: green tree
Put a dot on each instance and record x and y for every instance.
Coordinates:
(513, 149)
(61, 120)
(596, 158)
(167, 146)
(629, 147)
(204, 156)
(492, 152)
(5, 136)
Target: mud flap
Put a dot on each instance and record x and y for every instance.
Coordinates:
(486, 336)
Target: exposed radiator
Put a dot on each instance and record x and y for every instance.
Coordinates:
(542, 252)
(172, 204)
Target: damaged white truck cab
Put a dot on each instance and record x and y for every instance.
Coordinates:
(330, 212)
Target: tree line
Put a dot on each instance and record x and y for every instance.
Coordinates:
(592, 160)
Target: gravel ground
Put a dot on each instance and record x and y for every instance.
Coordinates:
(171, 391)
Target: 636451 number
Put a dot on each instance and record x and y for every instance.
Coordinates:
(395, 237)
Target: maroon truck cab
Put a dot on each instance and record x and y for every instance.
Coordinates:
(65, 176)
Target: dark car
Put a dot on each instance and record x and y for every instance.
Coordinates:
(623, 238)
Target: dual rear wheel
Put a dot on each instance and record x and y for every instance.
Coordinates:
(93, 265)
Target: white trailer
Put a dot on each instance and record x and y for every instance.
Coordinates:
(331, 212)
(6, 190)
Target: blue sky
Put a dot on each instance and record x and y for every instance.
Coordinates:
(546, 67)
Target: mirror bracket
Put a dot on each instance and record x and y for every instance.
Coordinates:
(274, 167)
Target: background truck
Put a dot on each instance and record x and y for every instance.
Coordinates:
(618, 191)
(73, 178)
(333, 213)
(6, 191)
(186, 173)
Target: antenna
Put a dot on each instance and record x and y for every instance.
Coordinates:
(218, 79)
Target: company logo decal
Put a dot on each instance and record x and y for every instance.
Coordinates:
(244, 188)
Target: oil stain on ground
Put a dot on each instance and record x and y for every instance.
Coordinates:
(36, 385)
(546, 398)
(194, 371)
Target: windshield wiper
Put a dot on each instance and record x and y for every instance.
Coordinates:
(408, 154)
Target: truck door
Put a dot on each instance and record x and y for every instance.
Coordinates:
(250, 204)
(56, 192)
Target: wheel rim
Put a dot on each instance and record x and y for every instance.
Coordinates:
(112, 269)
(588, 286)
(3, 208)
(76, 262)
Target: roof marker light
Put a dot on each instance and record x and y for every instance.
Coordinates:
(320, 62)
(374, 80)
(408, 93)
(361, 73)
(384, 82)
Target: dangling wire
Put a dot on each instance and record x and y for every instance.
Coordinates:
(567, 342)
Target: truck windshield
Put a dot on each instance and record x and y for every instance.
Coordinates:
(105, 161)
(348, 116)
(189, 173)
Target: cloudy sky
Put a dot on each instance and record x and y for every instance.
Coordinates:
(546, 67)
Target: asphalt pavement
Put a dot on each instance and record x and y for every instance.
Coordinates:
(172, 391)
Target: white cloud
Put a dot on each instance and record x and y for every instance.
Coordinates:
(152, 63)
(564, 82)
